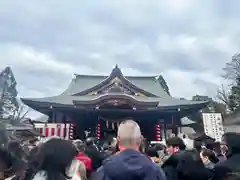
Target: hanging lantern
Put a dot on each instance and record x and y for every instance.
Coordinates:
(112, 126)
(98, 130)
(157, 132)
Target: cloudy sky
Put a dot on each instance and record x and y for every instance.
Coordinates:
(187, 41)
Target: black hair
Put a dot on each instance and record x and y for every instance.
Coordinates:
(152, 152)
(10, 164)
(176, 142)
(90, 141)
(6, 159)
(81, 147)
(32, 163)
(190, 166)
(54, 157)
(18, 155)
(14, 147)
(159, 147)
(211, 155)
(232, 141)
(33, 154)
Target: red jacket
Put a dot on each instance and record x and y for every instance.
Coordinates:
(86, 161)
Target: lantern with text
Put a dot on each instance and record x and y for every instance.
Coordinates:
(98, 130)
(158, 132)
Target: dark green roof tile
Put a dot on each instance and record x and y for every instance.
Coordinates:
(83, 82)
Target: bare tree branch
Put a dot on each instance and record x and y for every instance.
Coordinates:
(232, 69)
(223, 95)
(21, 113)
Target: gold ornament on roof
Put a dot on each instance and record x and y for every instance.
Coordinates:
(115, 80)
(139, 94)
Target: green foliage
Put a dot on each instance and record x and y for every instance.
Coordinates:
(213, 107)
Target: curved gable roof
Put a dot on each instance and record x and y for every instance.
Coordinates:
(147, 83)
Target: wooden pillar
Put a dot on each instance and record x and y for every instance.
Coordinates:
(50, 117)
(165, 129)
(65, 126)
(174, 125)
(54, 119)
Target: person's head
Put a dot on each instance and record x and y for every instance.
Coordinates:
(159, 147)
(224, 148)
(153, 154)
(129, 135)
(15, 149)
(190, 166)
(55, 157)
(90, 141)
(81, 147)
(6, 163)
(232, 142)
(208, 155)
(175, 144)
(33, 153)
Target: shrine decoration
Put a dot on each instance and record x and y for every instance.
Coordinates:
(98, 130)
(158, 132)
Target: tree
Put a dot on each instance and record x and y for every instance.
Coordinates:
(8, 93)
(8, 102)
(231, 97)
(218, 107)
(232, 73)
(20, 113)
(223, 95)
(232, 68)
(204, 98)
(213, 107)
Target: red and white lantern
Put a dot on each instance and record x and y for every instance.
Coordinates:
(158, 132)
(98, 130)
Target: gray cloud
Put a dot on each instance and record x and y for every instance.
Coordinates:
(48, 41)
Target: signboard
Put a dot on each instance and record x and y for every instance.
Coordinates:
(213, 125)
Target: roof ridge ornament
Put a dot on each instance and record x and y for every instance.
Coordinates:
(116, 72)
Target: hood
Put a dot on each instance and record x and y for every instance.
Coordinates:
(128, 165)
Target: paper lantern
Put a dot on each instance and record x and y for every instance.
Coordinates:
(157, 132)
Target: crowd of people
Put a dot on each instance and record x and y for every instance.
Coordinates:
(125, 159)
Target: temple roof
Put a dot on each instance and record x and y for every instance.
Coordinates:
(84, 82)
(68, 100)
(148, 90)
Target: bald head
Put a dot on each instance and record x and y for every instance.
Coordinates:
(129, 134)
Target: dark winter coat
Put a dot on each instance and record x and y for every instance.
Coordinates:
(129, 165)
